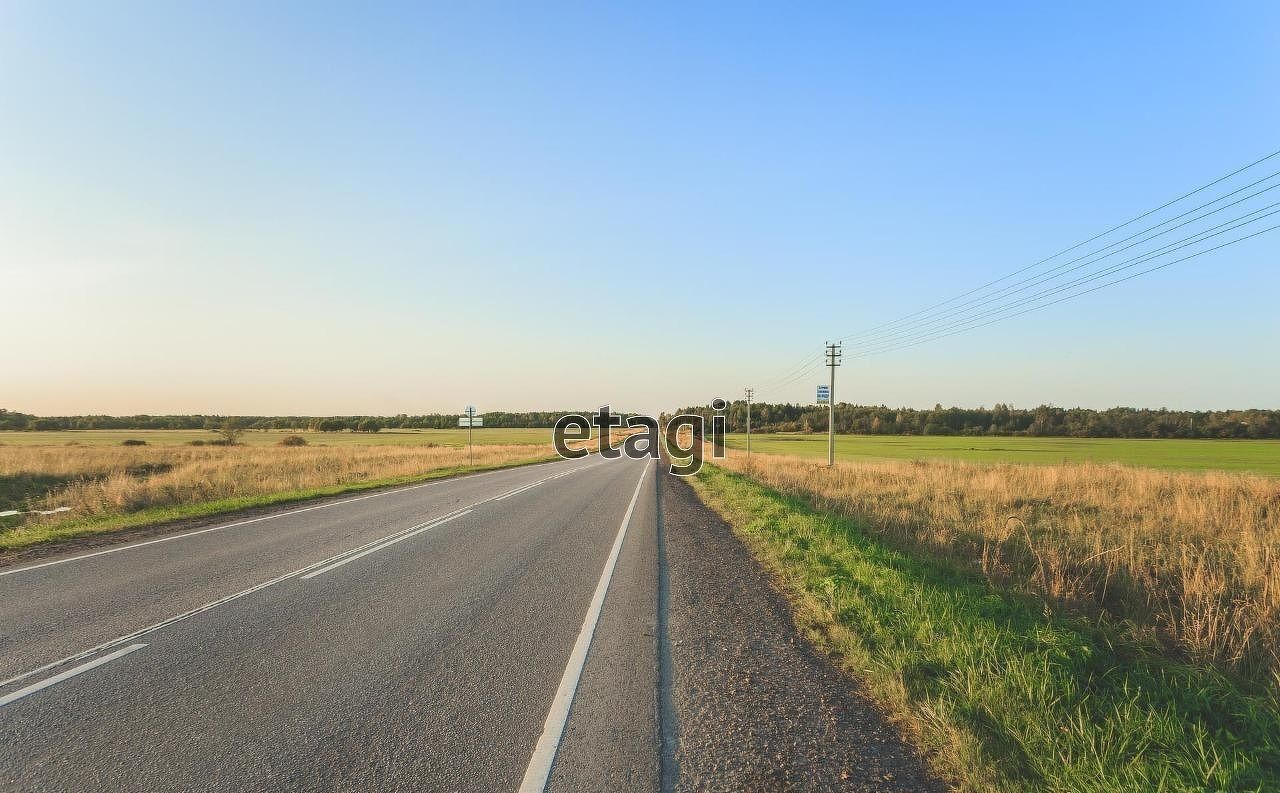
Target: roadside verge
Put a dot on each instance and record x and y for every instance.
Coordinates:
(759, 708)
(999, 692)
(26, 544)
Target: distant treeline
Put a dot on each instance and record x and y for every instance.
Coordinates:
(10, 420)
(1042, 421)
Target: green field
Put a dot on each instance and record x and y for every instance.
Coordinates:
(450, 437)
(1002, 692)
(1202, 455)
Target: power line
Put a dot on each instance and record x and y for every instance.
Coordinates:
(804, 373)
(1065, 298)
(958, 316)
(1111, 230)
(919, 327)
(1064, 268)
(807, 363)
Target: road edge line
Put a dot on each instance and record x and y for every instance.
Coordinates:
(668, 718)
(544, 752)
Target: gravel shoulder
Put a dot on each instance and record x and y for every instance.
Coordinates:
(757, 708)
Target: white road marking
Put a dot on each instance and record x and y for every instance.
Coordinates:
(368, 547)
(240, 523)
(202, 609)
(411, 533)
(517, 491)
(544, 754)
(58, 678)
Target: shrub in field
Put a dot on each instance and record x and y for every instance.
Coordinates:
(133, 442)
(229, 431)
(292, 440)
(195, 443)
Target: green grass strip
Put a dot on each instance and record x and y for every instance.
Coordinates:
(1000, 693)
(26, 536)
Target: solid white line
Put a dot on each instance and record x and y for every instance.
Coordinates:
(240, 523)
(58, 678)
(412, 533)
(544, 754)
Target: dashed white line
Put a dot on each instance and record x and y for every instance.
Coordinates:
(517, 491)
(544, 754)
(239, 523)
(306, 572)
(415, 531)
(58, 678)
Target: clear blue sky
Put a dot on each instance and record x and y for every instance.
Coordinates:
(395, 208)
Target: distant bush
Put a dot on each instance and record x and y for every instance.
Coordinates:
(133, 442)
(229, 431)
(292, 440)
(219, 442)
(195, 443)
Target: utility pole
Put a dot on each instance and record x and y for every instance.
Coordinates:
(750, 393)
(833, 360)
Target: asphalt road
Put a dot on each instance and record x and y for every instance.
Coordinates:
(497, 632)
(431, 663)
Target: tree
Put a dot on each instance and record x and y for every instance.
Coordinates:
(230, 430)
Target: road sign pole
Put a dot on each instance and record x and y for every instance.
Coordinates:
(469, 415)
(749, 394)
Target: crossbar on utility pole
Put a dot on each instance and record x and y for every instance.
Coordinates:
(750, 393)
(833, 360)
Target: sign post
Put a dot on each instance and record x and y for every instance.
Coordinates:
(469, 419)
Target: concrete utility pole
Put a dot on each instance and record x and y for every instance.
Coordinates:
(750, 392)
(833, 360)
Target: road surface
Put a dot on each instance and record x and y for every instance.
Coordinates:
(496, 632)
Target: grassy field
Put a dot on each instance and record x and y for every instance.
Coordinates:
(1190, 455)
(451, 437)
(108, 487)
(1192, 558)
(1003, 691)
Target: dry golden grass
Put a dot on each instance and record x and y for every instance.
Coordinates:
(102, 481)
(1192, 559)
